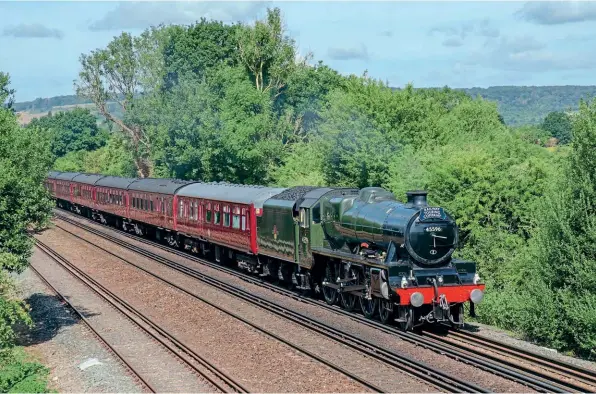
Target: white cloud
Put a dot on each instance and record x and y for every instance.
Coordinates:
(559, 12)
(526, 54)
(477, 27)
(140, 15)
(453, 42)
(35, 30)
(348, 53)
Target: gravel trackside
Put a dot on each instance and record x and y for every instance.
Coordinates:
(63, 343)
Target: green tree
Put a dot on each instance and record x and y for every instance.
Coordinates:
(190, 52)
(267, 53)
(24, 204)
(115, 74)
(72, 131)
(562, 259)
(558, 125)
(112, 159)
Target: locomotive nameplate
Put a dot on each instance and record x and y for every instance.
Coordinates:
(431, 213)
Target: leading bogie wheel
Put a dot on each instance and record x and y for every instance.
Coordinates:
(386, 311)
(406, 318)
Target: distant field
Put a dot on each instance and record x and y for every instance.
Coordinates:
(26, 116)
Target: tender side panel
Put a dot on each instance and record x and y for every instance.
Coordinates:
(275, 235)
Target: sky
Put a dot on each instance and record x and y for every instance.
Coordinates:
(458, 44)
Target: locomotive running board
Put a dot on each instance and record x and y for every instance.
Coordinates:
(348, 257)
(344, 289)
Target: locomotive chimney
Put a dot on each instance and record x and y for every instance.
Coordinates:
(417, 198)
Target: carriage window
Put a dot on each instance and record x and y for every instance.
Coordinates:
(151, 205)
(181, 209)
(226, 210)
(236, 221)
(134, 202)
(243, 223)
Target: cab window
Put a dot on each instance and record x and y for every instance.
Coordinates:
(316, 213)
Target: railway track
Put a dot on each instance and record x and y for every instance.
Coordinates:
(552, 375)
(426, 373)
(122, 359)
(207, 370)
(584, 377)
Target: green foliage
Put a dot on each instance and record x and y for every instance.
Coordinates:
(24, 204)
(189, 52)
(18, 374)
(565, 243)
(112, 159)
(558, 125)
(72, 131)
(303, 165)
(531, 134)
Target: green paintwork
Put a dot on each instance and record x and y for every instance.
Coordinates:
(277, 214)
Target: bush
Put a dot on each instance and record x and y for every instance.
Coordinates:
(19, 374)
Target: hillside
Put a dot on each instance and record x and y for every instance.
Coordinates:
(518, 105)
(521, 105)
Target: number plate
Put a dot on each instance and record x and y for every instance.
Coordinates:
(431, 213)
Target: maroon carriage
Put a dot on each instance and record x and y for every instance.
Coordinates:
(112, 195)
(62, 189)
(222, 214)
(151, 201)
(83, 189)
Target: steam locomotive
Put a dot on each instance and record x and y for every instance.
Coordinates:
(359, 248)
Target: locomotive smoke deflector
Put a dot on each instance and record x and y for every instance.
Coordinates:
(417, 198)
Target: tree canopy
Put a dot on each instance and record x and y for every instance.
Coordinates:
(24, 204)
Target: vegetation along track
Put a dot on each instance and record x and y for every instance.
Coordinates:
(428, 374)
(216, 377)
(552, 375)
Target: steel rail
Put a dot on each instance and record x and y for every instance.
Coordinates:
(422, 371)
(127, 310)
(93, 330)
(563, 368)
